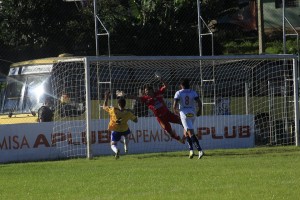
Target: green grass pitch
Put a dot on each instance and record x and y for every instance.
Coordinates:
(258, 173)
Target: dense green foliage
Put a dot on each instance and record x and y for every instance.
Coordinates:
(251, 47)
(48, 28)
(258, 173)
(36, 28)
(138, 27)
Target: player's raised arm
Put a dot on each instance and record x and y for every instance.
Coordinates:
(159, 77)
(165, 85)
(106, 96)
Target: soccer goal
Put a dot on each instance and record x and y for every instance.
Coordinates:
(247, 101)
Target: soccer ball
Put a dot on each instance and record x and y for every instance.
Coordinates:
(120, 93)
(157, 75)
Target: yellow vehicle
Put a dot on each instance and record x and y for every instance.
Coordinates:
(28, 85)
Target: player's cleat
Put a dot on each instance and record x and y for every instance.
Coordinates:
(117, 156)
(191, 156)
(201, 153)
(126, 150)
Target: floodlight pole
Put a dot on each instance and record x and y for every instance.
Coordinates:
(96, 26)
(260, 24)
(97, 34)
(199, 26)
(283, 27)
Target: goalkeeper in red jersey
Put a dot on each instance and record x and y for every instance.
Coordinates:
(155, 102)
(118, 123)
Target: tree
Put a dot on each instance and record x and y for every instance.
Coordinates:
(32, 29)
(160, 27)
(43, 28)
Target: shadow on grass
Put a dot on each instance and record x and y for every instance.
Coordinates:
(228, 152)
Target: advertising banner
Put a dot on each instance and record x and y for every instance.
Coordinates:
(41, 141)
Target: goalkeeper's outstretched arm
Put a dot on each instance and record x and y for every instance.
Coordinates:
(165, 85)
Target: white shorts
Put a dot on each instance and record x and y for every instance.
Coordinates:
(187, 120)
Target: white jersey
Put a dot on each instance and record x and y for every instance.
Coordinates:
(187, 108)
(186, 99)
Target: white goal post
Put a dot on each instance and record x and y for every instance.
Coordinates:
(255, 91)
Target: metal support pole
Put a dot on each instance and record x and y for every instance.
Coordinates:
(96, 26)
(199, 26)
(296, 100)
(260, 21)
(247, 98)
(88, 108)
(283, 27)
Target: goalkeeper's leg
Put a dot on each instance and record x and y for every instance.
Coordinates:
(164, 123)
(175, 136)
(176, 120)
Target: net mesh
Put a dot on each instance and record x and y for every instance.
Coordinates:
(231, 90)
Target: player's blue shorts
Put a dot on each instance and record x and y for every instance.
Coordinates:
(116, 136)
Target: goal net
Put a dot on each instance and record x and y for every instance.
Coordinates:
(247, 101)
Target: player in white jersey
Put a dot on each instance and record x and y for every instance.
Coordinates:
(184, 104)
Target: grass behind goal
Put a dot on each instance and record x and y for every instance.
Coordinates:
(258, 173)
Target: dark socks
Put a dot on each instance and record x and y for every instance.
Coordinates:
(196, 143)
(190, 143)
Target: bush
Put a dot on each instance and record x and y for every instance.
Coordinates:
(274, 47)
(243, 47)
(251, 47)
